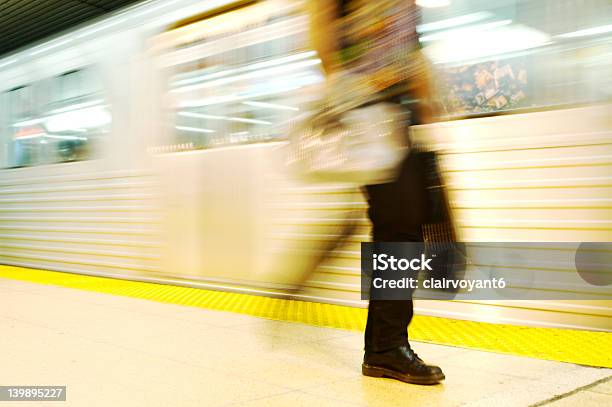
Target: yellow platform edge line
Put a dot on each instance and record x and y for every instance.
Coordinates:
(563, 345)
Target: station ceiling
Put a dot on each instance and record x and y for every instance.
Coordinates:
(23, 22)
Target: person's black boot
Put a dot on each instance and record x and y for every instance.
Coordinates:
(401, 364)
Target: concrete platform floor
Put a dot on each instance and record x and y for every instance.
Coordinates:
(118, 351)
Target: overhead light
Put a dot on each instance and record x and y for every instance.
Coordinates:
(207, 77)
(29, 122)
(465, 30)
(78, 119)
(231, 119)
(100, 27)
(31, 135)
(55, 45)
(257, 73)
(453, 22)
(587, 32)
(65, 137)
(473, 45)
(246, 68)
(77, 106)
(270, 106)
(216, 100)
(253, 121)
(210, 101)
(194, 129)
(279, 61)
(432, 3)
(56, 112)
(7, 63)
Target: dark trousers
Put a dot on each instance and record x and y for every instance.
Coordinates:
(397, 211)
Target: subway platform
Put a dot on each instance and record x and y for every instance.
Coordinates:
(117, 343)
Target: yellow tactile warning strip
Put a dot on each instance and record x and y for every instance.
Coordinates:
(564, 345)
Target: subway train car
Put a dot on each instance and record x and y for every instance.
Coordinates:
(149, 145)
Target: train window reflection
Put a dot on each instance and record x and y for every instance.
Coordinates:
(55, 120)
(508, 55)
(245, 91)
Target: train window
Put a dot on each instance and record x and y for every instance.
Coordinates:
(242, 86)
(56, 120)
(20, 109)
(507, 55)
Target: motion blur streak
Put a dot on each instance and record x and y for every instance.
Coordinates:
(153, 151)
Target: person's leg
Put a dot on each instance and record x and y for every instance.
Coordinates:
(397, 211)
(387, 326)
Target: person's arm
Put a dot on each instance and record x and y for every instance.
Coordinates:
(323, 14)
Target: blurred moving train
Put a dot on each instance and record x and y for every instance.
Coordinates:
(148, 145)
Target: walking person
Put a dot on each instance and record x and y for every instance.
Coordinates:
(377, 42)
